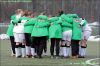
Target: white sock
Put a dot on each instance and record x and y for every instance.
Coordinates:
(17, 50)
(61, 51)
(64, 51)
(32, 51)
(68, 51)
(28, 50)
(23, 52)
(83, 51)
(80, 50)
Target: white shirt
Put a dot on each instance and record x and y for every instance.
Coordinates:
(19, 28)
(86, 28)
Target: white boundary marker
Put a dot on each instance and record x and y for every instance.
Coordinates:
(89, 62)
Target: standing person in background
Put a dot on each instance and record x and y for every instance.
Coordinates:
(55, 35)
(67, 34)
(40, 33)
(10, 29)
(76, 36)
(86, 32)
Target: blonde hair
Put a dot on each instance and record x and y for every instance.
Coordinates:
(18, 11)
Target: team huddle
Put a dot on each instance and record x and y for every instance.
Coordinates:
(30, 34)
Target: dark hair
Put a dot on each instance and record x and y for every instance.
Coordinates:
(27, 13)
(61, 12)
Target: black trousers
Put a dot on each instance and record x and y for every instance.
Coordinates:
(45, 46)
(28, 39)
(75, 47)
(39, 43)
(55, 42)
(12, 44)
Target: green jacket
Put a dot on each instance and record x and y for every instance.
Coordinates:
(55, 30)
(77, 30)
(66, 23)
(40, 27)
(28, 26)
(11, 26)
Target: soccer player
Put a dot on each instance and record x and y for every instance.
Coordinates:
(76, 36)
(85, 35)
(19, 35)
(27, 32)
(55, 35)
(30, 48)
(40, 33)
(67, 34)
(14, 17)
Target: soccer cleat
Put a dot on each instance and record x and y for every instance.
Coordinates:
(81, 57)
(18, 56)
(40, 57)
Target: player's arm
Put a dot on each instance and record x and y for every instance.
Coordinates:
(30, 22)
(58, 21)
(66, 24)
(44, 24)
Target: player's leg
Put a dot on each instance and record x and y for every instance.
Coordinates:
(64, 49)
(57, 47)
(12, 45)
(33, 46)
(75, 48)
(86, 35)
(61, 48)
(68, 42)
(41, 45)
(17, 46)
(28, 44)
(45, 47)
(22, 40)
(52, 47)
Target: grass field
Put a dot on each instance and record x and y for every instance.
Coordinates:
(7, 60)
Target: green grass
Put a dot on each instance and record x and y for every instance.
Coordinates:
(7, 60)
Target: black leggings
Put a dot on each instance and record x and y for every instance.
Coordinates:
(12, 44)
(54, 42)
(75, 47)
(28, 39)
(45, 46)
(39, 43)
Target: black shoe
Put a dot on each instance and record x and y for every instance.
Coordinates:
(35, 56)
(81, 57)
(66, 57)
(40, 57)
(19, 56)
(29, 56)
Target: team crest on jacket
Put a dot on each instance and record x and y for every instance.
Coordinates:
(76, 20)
